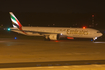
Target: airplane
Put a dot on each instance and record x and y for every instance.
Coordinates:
(54, 33)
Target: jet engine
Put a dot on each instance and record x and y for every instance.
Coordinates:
(54, 37)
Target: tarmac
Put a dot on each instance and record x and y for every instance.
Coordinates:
(30, 53)
(17, 53)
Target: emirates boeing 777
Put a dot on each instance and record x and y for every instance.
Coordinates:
(54, 33)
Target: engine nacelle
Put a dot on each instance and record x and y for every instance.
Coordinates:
(53, 37)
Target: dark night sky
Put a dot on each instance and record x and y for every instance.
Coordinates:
(65, 6)
(48, 12)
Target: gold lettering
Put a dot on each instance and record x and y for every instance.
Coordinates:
(68, 31)
(85, 32)
(79, 32)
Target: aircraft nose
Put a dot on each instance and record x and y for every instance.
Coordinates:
(100, 34)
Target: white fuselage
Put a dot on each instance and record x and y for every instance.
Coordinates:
(70, 32)
(53, 33)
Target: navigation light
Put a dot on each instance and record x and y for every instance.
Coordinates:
(8, 29)
(15, 38)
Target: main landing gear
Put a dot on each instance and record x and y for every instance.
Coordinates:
(46, 38)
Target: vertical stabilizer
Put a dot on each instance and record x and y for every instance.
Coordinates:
(15, 21)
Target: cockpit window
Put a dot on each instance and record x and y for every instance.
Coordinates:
(98, 32)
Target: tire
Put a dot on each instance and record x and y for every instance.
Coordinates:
(46, 38)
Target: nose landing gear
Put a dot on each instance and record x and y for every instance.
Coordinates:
(94, 39)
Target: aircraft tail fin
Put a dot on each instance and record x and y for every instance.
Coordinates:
(15, 21)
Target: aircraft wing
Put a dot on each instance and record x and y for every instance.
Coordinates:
(39, 32)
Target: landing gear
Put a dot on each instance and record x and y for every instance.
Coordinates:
(46, 38)
(94, 39)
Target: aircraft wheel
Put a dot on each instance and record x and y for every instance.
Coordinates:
(46, 38)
